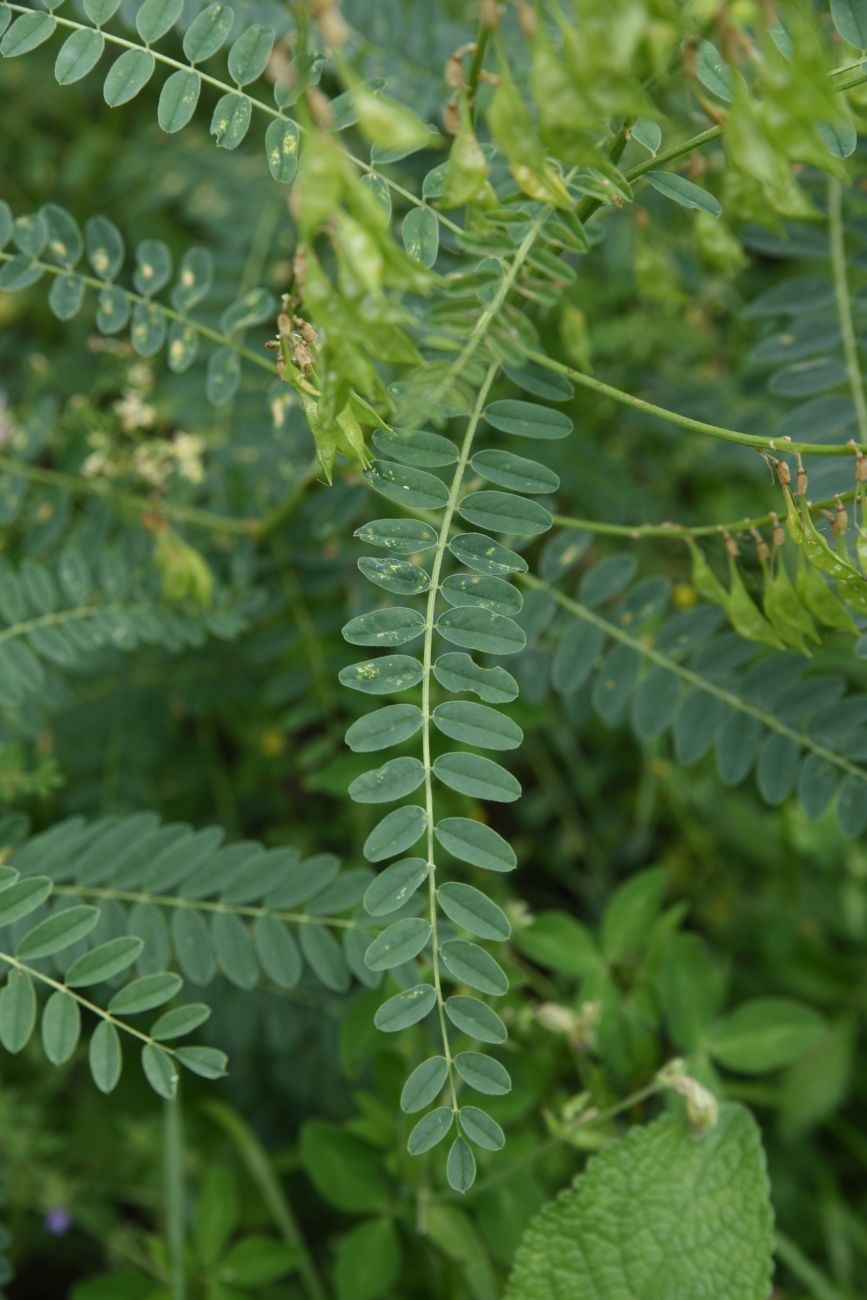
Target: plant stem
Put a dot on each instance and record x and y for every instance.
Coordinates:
(486, 318)
(694, 679)
(817, 1285)
(844, 303)
(714, 132)
(589, 204)
(257, 529)
(59, 987)
(201, 905)
(227, 88)
(687, 422)
(173, 1158)
(636, 532)
(541, 1148)
(215, 336)
(476, 65)
(427, 670)
(61, 616)
(677, 151)
(259, 1166)
(74, 483)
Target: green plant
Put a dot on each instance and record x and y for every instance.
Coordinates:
(413, 286)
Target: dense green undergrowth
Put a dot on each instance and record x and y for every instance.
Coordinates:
(433, 618)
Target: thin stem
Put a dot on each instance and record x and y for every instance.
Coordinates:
(844, 303)
(687, 422)
(714, 132)
(636, 532)
(74, 483)
(476, 66)
(542, 1148)
(260, 1169)
(677, 151)
(63, 616)
(695, 680)
(427, 670)
(215, 336)
(200, 905)
(804, 1270)
(229, 88)
(589, 204)
(257, 529)
(484, 321)
(173, 1165)
(59, 987)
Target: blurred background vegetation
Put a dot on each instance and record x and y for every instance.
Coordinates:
(756, 900)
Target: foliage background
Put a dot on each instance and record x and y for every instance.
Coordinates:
(766, 901)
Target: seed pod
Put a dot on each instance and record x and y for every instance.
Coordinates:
(705, 581)
(801, 478)
(786, 614)
(763, 551)
(744, 614)
(840, 523)
(819, 599)
(467, 167)
(820, 554)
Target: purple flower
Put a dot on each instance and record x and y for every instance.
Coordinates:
(58, 1221)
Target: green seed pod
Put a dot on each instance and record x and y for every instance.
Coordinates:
(788, 617)
(744, 614)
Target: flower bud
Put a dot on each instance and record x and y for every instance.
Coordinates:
(702, 1107)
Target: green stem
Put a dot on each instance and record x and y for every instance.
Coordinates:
(130, 501)
(229, 88)
(677, 151)
(257, 529)
(800, 1267)
(476, 65)
(678, 531)
(589, 204)
(542, 1148)
(215, 336)
(695, 680)
(844, 303)
(95, 1010)
(200, 905)
(173, 1163)
(486, 318)
(687, 422)
(427, 670)
(714, 132)
(256, 1159)
(62, 616)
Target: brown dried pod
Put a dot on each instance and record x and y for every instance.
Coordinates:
(802, 478)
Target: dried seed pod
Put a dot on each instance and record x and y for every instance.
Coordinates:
(763, 551)
(840, 522)
(802, 478)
